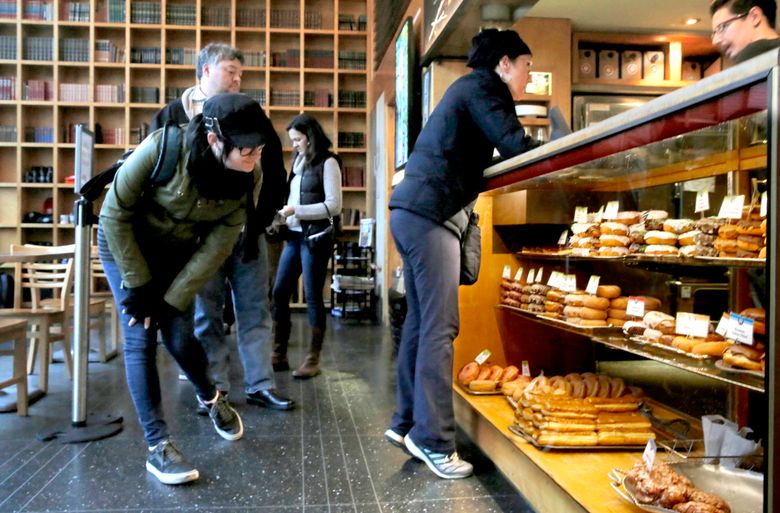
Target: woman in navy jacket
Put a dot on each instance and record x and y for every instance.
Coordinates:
(442, 177)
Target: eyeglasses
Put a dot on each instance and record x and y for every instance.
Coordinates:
(251, 152)
(721, 27)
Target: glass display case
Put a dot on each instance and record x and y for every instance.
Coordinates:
(632, 261)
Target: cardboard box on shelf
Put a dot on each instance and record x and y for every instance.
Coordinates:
(608, 64)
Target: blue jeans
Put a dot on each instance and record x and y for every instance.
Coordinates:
(431, 256)
(296, 258)
(140, 349)
(249, 285)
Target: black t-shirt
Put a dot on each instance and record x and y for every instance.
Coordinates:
(756, 48)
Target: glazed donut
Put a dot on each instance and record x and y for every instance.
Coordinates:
(555, 295)
(604, 386)
(592, 314)
(574, 299)
(611, 321)
(612, 228)
(662, 250)
(620, 241)
(688, 238)
(688, 251)
(572, 311)
(596, 323)
(654, 219)
(619, 303)
(656, 237)
(597, 303)
(552, 306)
(484, 372)
(613, 251)
(727, 231)
(495, 372)
(628, 217)
(678, 226)
(750, 228)
(608, 291)
(615, 313)
(750, 242)
(510, 373)
(468, 373)
(591, 384)
(616, 387)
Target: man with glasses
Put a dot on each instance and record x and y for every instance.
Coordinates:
(742, 29)
(246, 270)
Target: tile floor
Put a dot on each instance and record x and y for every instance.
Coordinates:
(326, 456)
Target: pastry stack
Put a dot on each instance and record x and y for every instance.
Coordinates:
(510, 292)
(553, 306)
(585, 309)
(585, 238)
(726, 242)
(614, 239)
(708, 233)
(537, 296)
(751, 237)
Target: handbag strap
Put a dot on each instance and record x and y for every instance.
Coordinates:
(330, 217)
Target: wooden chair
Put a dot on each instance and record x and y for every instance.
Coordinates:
(16, 332)
(98, 290)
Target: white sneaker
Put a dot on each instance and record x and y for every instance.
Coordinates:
(396, 440)
(446, 466)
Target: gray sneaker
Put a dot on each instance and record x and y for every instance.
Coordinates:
(225, 419)
(167, 464)
(446, 466)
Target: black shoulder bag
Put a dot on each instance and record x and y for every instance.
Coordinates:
(323, 238)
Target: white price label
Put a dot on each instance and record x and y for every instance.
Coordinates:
(692, 325)
(563, 237)
(723, 325)
(507, 273)
(526, 369)
(740, 329)
(519, 275)
(483, 356)
(530, 277)
(539, 275)
(764, 200)
(702, 201)
(580, 214)
(554, 279)
(636, 306)
(612, 210)
(593, 285)
(570, 284)
(731, 208)
(600, 214)
(648, 456)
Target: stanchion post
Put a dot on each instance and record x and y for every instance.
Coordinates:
(84, 214)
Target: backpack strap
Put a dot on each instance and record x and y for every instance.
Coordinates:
(168, 159)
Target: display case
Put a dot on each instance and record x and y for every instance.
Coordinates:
(715, 143)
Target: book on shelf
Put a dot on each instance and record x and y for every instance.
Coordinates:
(111, 11)
(180, 56)
(38, 49)
(107, 51)
(352, 60)
(180, 14)
(352, 99)
(317, 98)
(255, 58)
(144, 94)
(109, 93)
(7, 9)
(352, 176)
(39, 134)
(351, 139)
(74, 92)
(285, 97)
(7, 133)
(146, 13)
(318, 58)
(8, 88)
(74, 49)
(215, 16)
(37, 90)
(145, 55)
(8, 47)
(38, 10)
(351, 216)
(74, 11)
(250, 17)
(282, 18)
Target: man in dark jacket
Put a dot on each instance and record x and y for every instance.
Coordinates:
(218, 71)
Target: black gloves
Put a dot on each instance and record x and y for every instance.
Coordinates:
(140, 302)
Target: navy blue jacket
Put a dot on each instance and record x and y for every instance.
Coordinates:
(444, 171)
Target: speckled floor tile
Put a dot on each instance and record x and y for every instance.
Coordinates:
(326, 456)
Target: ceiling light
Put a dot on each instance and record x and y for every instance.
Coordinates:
(692, 21)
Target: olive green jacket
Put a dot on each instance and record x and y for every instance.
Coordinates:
(148, 228)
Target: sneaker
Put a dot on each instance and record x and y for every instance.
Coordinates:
(167, 464)
(226, 420)
(396, 440)
(203, 409)
(446, 466)
(182, 377)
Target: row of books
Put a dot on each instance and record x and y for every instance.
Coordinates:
(254, 58)
(138, 134)
(8, 47)
(348, 22)
(7, 9)
(38, 10)
(257, 94)
(352, 176)
(181, 14)
(107, 51)
(110, 93)
(38, 49)
(352, 60)
(145, 12)
(114, 12)
(318, 58)
(318, 98)
(249, 17)
(69, 132)
(39, 134)
(352, 99)
(351, 140)
(285, 97)
(172, 93)
(351, 216)
(75, 11)
(145, 55)
(7, 88)
(38, 90)
(291, 58)
(180, 55)
(114, 136)
(74, 49)
(215, 16)
(144, 94)
(7, 133)
(74, 92)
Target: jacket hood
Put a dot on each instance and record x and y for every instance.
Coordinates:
(192, 100)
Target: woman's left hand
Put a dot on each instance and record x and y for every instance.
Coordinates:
(287, 210)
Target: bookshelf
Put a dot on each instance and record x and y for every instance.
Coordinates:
(113, 63)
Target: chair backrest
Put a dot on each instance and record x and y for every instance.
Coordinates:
(98, 281)
(55, 275)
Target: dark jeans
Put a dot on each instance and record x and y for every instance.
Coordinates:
(431, 256)
(140, 349)
(296, 258)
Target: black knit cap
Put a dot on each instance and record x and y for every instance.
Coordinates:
(237, 118)
(491, 44)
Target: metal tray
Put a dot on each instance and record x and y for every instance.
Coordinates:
(472, 392)
(742, 489)
(517, 430)
(720, 364)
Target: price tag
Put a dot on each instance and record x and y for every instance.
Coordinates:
(702, 201)
(507, 273)
(693, 325)
(563, 237)
(731, 208)
(612, 210)
(764, 200)
(483, 356)
(552, 281)
(649, 455)
(530, 277)
(740, 329)
(593, 285)
(539, 275)
(570, 283)
(526, 369)
(519, 275)
(580, 214)
(723, 325)
(636, 306)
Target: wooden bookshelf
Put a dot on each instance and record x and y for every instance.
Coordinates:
(115, 63)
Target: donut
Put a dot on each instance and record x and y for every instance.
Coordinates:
(656, 237)
(750, 228)
(596, 323)
(592, 314)
(616, 313)
(727, 231)
(552, 306)
(608, 291)
(614, 240)
(612, 228)
(598, 303)
(510, 373)
(555, 295)
(619, 303)
(484, 372)
(750, 242)
(604, 386)
(611, 321)
(662, 250)
(613, 251)
(468, 373)
(495, 372)
(678, 226)
(591, 384)
(574, 299)
(628, 217)
(688, 238)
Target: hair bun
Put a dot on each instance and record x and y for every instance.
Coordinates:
(489, 45)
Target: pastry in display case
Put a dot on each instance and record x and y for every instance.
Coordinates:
(627, 265)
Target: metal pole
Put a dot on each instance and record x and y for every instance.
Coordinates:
(83, 210)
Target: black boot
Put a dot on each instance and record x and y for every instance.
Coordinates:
(311, 364)
(279, 354)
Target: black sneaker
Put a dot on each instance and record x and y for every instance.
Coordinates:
(167, 464)
(203, 409)
(226, 420)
